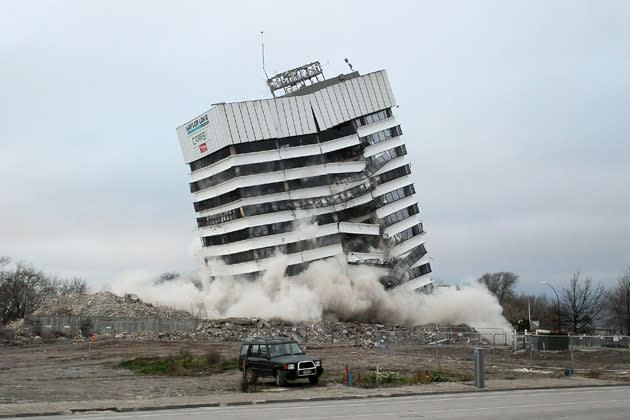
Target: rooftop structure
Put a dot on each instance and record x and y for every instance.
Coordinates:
(328, 155)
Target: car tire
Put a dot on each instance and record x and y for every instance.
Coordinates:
(281, 379)
(252, 378)
(313, 379)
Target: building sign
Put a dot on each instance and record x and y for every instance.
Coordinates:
(197, 124)
(199, 138)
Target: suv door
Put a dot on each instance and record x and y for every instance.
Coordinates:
(243, 356)
(253, 359)
(266, 366)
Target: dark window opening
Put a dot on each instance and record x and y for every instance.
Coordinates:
(210, 159)
(373, 117)
(400, 215)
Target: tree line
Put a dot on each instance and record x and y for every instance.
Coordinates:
(23, 288)
(580, 307)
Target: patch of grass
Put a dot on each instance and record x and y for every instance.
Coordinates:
(593, 374)
(510, 378)
(182, 363)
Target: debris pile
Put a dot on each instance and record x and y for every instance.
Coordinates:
(314, 333)
(107, 304)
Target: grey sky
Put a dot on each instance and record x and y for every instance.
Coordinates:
(516, 117)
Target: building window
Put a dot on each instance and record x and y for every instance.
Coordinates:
(373, 117)
(400, 215)
(382, 135)
(210, 159)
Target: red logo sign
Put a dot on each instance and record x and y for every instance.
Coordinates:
(203, 147)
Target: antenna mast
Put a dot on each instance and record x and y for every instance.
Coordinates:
(262, 43)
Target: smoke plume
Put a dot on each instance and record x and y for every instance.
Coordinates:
(328, 289)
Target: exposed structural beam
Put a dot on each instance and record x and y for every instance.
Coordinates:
(297, 78)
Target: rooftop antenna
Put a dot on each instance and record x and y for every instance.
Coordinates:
(262, 43)
(348, 63)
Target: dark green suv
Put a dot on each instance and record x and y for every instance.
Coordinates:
(279, 357)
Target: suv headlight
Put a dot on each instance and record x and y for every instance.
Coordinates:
(318, 363)
(291, 366)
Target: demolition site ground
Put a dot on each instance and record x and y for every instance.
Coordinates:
(79, 370)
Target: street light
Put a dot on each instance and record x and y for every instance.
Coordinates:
(557, 299)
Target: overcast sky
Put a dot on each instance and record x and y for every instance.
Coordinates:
(516, 117)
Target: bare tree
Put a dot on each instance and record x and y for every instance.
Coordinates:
(619, 302)
(75, 285)
(22, 290)
(501, 284)
(517, 310)
(582, 303)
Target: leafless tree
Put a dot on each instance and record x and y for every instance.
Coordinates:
(75, 285)
(501, 284)
(515, 310)
(24, 288)
(582, 303)
(619, 302)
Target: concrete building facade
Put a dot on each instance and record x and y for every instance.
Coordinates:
(316, 173)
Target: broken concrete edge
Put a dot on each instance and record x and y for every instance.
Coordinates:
(291, 400)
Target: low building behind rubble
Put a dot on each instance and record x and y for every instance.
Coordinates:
(329, 153)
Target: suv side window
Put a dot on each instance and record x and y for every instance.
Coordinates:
(264, 352)
(244, 349)
(253, 350)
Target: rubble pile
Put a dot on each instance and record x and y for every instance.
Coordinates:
(313, 333)
(107, 304)
(325, 332)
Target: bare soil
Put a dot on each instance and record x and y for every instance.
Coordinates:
(80, 370)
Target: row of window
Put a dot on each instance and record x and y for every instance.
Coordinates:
(308, 203)
(267, 252)
(399, 271)
(377, 161)
(419, 271)
(400, 215)
(217, 219)
(263, 189)
(382, 135)
(407, 234)
(246, 233)
(395, 195)
(219, 200)
(373, 117)
(275, 165)
(343, 130)
(264, 230)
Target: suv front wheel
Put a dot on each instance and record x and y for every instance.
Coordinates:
(281, 379)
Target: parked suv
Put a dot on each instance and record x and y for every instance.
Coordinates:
(279, 357)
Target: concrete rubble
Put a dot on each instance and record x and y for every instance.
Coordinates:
(106, 305)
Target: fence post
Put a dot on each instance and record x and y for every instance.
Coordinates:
(571, 351)
(479, 368)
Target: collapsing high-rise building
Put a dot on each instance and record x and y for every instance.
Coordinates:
(327, 153)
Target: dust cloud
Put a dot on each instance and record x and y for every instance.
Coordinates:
(328, 289)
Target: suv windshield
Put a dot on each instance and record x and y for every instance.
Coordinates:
(285, 348)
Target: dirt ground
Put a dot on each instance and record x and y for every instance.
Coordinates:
(78, 371)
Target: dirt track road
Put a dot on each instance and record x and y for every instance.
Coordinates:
(78, 371)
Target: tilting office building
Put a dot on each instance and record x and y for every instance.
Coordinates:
(315, 173)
